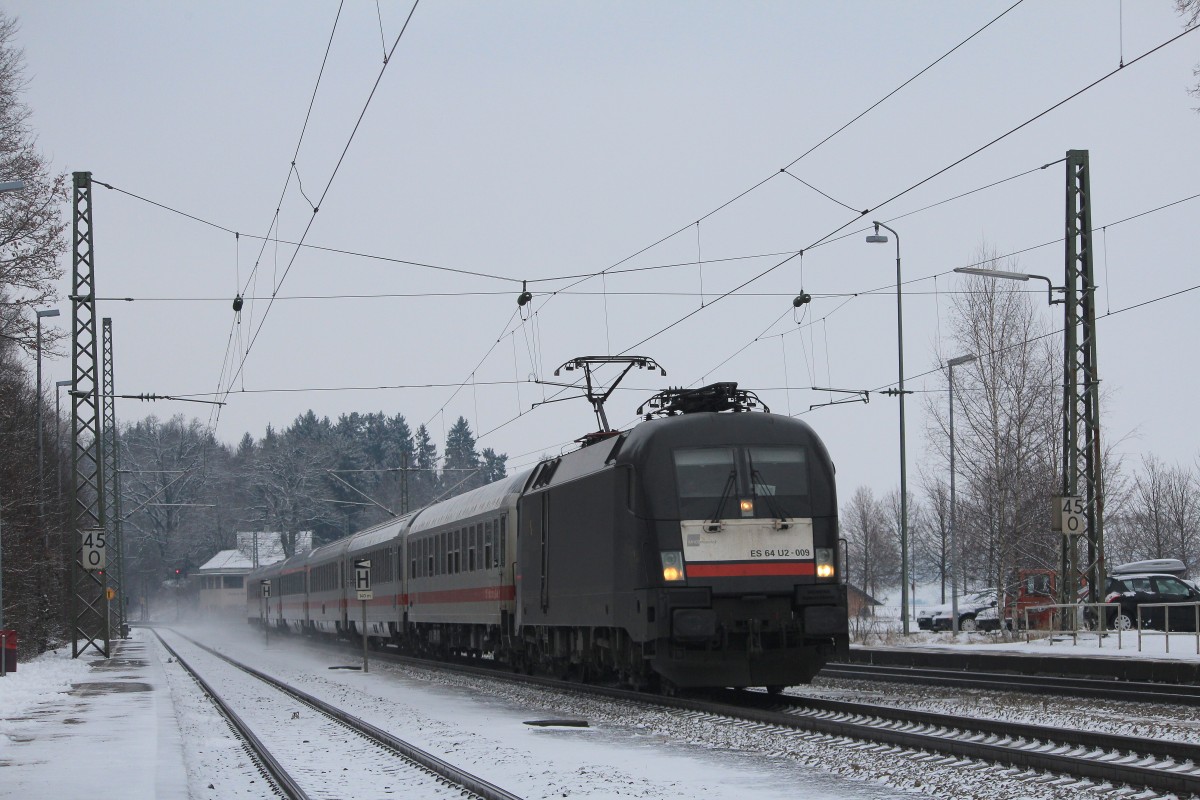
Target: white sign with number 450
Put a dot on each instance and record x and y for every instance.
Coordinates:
(1073, 516)
(95, 549)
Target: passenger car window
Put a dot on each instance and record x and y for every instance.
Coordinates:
(1139, 584)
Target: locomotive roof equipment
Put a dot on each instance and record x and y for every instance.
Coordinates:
(714, 397)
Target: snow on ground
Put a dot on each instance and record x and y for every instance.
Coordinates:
(48, 674)
(1154, 644)
(629, 751)
(68, 724)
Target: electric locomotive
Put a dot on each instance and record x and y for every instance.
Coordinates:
(697, 549)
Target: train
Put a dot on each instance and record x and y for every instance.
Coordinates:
(697, 549)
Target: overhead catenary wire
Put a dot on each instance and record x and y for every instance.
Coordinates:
(883, 290)
(911, 188)
(891, 287)
(551, 278)
(253, 276)
(324, 193)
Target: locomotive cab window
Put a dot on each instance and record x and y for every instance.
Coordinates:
(780, 476)
(704, 476)
(726, 482)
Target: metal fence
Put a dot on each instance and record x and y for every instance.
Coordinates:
(1166, 631)
(1076, 615)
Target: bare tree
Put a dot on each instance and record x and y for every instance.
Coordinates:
(167, 480)
(1162, 517)
(31, 240)
(1190, 9)
(1006, 427)
(930, 531)
(290, 484)
(31, 221)
(872, 542)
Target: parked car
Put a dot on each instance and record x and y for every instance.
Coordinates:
(1137, 589)
(976, 611)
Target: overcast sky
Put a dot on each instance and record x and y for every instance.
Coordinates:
(528, 140)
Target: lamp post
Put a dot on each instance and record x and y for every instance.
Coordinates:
(53, 312)
(878, 238)
(952, 363)
(1014, 276)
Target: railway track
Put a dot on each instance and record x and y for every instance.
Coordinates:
(1102, 759)
(285, 750)
(1106, 689)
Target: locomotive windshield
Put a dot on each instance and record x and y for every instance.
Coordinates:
(711, 480)
(780, 476)
(702, 475)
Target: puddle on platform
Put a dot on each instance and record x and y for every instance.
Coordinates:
(117, 663)
(106, 687)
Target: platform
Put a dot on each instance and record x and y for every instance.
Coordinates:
(113, 733)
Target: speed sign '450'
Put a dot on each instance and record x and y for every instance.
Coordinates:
(95, 548)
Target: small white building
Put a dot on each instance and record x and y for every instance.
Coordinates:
(221, 578)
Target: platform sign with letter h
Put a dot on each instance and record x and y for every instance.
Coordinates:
(362, 579)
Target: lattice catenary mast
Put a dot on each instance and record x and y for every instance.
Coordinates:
(89, 601)
(1081, 473)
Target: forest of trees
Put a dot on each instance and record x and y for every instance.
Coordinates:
(185, 495)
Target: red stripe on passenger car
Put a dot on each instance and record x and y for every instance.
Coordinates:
(746, 569)
(475, 595)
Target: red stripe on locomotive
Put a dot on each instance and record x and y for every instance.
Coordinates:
(754, 568)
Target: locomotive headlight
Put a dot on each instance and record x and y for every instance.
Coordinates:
(824, 562)
(672, 561)
(747, 507)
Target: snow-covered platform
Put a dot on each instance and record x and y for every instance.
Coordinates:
(1085, 656)
(70, 727)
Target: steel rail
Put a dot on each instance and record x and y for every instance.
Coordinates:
(1163, 749)
(1107, 689)
(268, 765)
(960, 737)
(443, 769)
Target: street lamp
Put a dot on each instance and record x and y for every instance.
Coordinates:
(1014, 276)
(52, 312)
(878, 238)
(952, 363)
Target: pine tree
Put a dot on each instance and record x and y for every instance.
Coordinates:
(424, 483)
(461, 471)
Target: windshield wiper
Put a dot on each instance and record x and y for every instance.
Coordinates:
(725, 494)
(756, 479)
